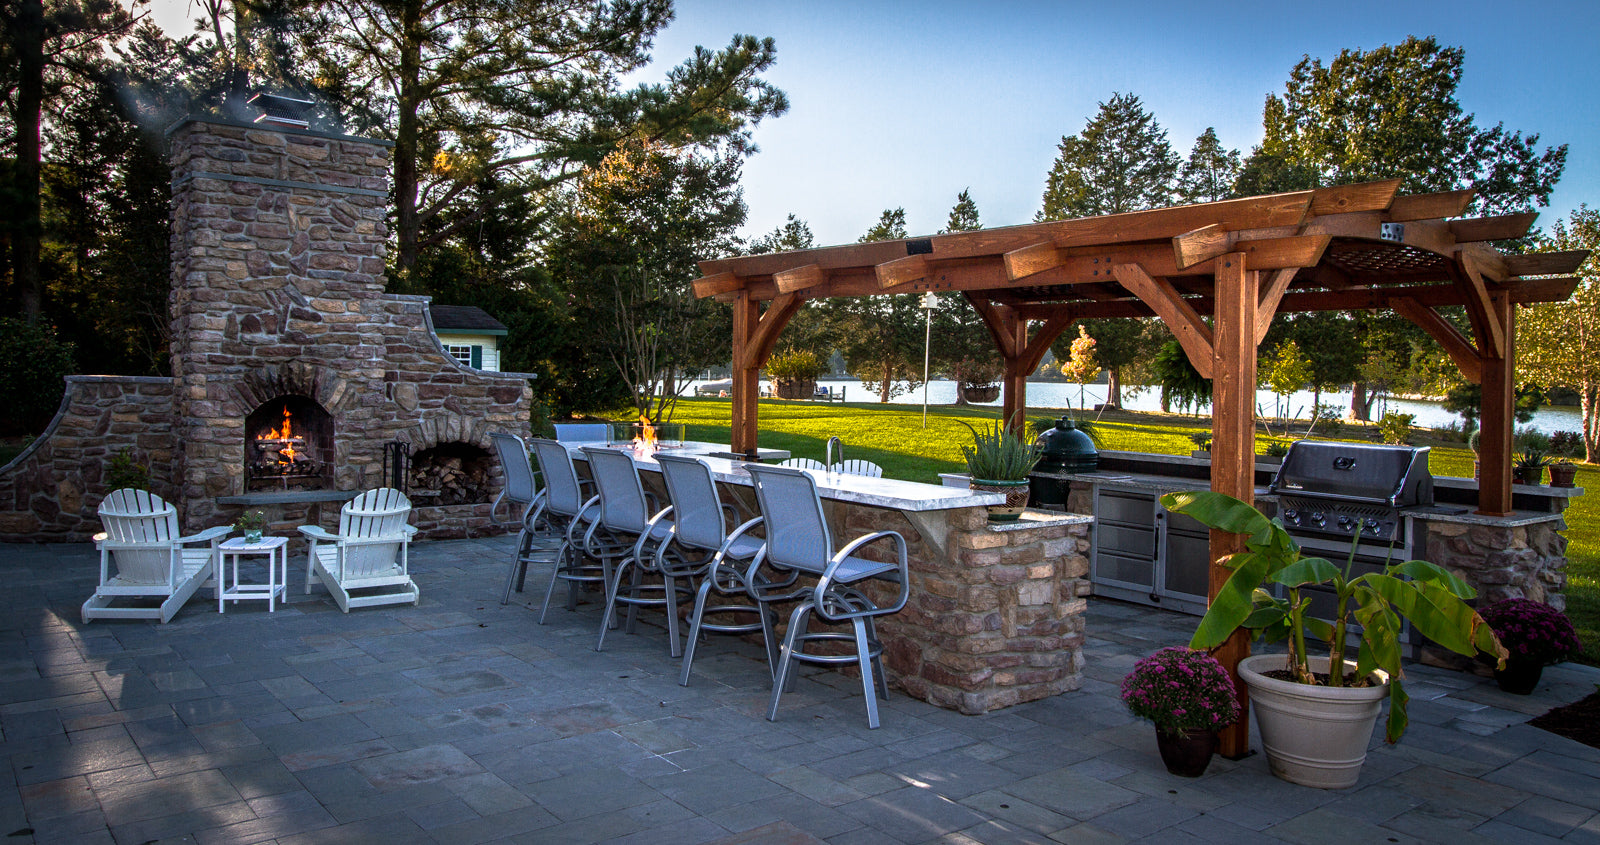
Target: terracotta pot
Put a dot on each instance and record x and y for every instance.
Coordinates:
(1520, 677)
(1313, 736)
(1016, 493)
(1186, 755)
(794, 388)
(1562, 475)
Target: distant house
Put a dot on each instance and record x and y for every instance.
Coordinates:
(469, 334)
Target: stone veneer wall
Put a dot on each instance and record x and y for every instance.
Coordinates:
(995, 616)
(1526, 561)
(278, 241)
(51, 490)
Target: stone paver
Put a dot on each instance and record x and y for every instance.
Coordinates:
(463, 721)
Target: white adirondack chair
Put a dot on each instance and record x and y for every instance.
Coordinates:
(367, 555)
(153, 561)
(859, 467)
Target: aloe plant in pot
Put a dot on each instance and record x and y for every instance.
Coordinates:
(1315, 723)
(999, 461)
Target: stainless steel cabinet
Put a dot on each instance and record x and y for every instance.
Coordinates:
(1146, 554)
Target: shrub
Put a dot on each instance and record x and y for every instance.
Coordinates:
(1532, 630)
(1531, 438)
(1567, 444)
(1181, 690)
(124, 470)
(33, 362)
(1395, 427)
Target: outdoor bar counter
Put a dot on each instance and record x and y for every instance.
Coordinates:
(996, 611)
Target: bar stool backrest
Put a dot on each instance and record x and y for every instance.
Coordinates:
(622, 503)
(697, 512)
(560, 479)
(797, 530)
(514, 466)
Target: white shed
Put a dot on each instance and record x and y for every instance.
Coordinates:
(469, 334)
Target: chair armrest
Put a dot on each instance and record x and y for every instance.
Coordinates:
(825, 583)
(315, 532)
(207, 535)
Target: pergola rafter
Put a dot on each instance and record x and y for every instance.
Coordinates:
(1215, 274)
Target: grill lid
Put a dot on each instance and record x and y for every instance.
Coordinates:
(1396, 476)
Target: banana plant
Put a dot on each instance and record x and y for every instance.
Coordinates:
(1427, 595)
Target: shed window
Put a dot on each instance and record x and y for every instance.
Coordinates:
(471, 356)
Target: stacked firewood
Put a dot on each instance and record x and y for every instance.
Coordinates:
(449, 480)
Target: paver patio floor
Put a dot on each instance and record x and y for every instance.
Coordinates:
(462, 721)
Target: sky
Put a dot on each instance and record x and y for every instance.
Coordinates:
(906, 104)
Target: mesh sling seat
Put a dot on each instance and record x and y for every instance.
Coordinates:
(365, 564)
(719, 559)
(151, 558)
(626, 532)
(542, 529)
(568, 512)
(798, 539)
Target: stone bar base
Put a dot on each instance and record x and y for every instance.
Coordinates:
(996, 614)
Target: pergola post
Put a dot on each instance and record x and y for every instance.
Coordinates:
(1499, 400)
(1233, 449)
(746, 377)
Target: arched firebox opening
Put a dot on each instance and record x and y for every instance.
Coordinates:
(450, 474)
(288, 445)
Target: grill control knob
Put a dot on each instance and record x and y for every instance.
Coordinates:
(1372, 525)
(1291, 515)
(1345, 520)
(1319, 518)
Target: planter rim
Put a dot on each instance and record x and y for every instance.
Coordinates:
(992, 482)
(1252, 671)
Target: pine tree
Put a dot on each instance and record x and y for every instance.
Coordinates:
(1120, 162)
(1210, 172)
(963, 215)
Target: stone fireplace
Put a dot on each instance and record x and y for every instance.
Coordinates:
(293, 371)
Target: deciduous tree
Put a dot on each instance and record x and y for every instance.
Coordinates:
(1558, 343)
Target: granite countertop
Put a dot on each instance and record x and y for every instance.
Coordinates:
(835, 486)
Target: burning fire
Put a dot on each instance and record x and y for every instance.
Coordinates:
(287, 454)
(645, 443)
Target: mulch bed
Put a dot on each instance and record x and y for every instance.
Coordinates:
(1578, 721)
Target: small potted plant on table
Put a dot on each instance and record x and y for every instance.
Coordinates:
(1189, 696)
(1536, 634)
(1202, 444)
(251, 523)
(1529, 467)
(1316, 713)
(1563, 473)
(1000, 461)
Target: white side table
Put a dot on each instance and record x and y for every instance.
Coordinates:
(276, 550)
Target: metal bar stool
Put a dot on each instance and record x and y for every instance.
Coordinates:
(627, 533)
(798, 539)
(564, 503)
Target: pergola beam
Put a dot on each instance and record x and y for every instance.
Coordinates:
(1461, 351)
(1191, 331)
(800, 278)
(1430, 206)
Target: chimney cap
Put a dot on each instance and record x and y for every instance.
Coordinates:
(282, 109)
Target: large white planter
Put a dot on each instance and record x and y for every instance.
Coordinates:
(1313, 736)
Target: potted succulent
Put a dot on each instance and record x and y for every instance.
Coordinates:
(794, 373)
(1529, 466)
(1189, 696)
(1202, 444)
(1563, 473)
(1316, 723)
(1274, 452)
(999, 461)
(251, 524)
(1536, 634)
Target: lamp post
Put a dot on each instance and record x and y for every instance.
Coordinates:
(929, 302)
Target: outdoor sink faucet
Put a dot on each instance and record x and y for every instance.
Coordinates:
(828, 458)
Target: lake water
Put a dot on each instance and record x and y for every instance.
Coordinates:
(1048, 394)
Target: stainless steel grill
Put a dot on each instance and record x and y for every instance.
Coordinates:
(1349, 490)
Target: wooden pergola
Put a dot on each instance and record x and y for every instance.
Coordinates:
(1238, 262)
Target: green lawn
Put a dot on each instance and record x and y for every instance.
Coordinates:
(892, 436)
